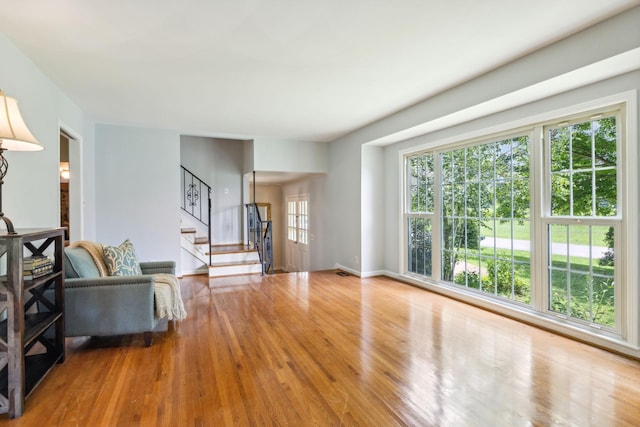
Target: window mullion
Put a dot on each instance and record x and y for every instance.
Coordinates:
(593, 171)
(436, 223)
(539, 189)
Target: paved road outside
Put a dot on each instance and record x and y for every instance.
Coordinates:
(581, 251)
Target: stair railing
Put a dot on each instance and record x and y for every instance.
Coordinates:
(192, 190)
(260, 237)
(267, 248)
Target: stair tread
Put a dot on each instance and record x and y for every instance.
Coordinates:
(233, 275)
(200, 240)
(233, 264)
(226, 249)
(187, 230)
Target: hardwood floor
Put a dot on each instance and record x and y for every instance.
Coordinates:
(322, 349)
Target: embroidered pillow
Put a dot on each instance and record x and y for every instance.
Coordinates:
(121, 260)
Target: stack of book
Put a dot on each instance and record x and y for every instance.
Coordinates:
(36, 266)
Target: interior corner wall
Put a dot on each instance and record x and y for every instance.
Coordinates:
(373, 210)
(343, 236)
(138, 190)
(31, 190)
(393, 196)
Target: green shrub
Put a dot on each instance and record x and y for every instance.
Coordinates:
(499, 281)
(504, 278)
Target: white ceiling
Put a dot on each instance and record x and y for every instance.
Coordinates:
(296, 70)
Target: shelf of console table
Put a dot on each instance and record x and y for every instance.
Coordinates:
(32, 313)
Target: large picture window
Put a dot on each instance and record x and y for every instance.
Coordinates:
(480, 216)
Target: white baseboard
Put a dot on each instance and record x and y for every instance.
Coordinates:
(365, 274)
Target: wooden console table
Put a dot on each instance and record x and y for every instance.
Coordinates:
(31, 314)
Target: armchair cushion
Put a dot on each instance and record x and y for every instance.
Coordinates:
(153, 267)
(121, 260)
(79, 263)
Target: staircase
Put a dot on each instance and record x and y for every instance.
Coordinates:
(200, 256)
(226, 260)
(235, 259)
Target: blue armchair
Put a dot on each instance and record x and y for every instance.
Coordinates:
(98, 305)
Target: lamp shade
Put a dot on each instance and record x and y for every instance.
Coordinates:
(14, 134)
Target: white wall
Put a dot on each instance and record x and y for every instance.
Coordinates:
(290, 156)
(373, 211)
(31, 193)
(138, 190)
(343, 211)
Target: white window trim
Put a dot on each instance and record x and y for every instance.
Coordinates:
(629, 342)
(547, 219)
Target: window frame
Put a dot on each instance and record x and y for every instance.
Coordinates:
(627, 306)
(426, 215)
(300, 218)
(548, 219)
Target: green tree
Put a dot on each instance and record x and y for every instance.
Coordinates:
(582, 155)
(481, 184)
(584, 183)
(608, 258)
(491, 182)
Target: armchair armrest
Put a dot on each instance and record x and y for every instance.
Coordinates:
(111, 305)
(152, 267)
(146, 280)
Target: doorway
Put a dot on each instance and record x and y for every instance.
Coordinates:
(69, 177)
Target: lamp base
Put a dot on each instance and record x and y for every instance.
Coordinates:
(7, 221)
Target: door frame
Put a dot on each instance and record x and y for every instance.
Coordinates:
(76, 201)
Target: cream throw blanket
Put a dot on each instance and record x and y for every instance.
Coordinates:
(168, 301)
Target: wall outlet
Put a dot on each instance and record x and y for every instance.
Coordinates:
(356, 260)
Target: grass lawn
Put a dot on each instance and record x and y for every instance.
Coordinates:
(579, 234)
(571, 285)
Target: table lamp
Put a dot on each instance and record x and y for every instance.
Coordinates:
(14, 135)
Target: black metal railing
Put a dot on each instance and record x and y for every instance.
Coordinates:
(193, 189)
(260, 237)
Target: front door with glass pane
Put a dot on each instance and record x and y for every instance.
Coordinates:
(297, 252)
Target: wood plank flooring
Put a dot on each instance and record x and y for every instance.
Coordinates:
(319, 349)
